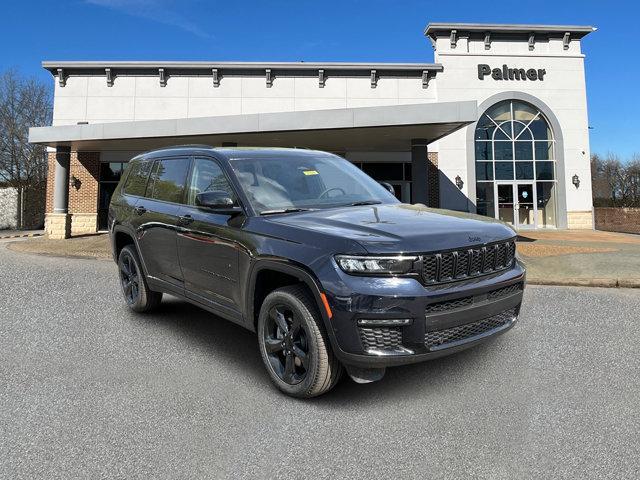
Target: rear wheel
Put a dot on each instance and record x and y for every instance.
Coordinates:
(294, 344)
(136, 292)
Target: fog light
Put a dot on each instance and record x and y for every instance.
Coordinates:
(384, 322)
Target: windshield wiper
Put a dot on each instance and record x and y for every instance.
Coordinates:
(364, 202)
(284, 210)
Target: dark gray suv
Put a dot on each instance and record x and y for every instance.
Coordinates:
(323, 262)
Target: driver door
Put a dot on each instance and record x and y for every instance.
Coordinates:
(207, 246)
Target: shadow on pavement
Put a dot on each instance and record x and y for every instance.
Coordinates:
(240, 347)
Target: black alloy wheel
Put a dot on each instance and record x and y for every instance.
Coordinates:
(130, 279)
(137, 294)
(294, 344)
(286, 345)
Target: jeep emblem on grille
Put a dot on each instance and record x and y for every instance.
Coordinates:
(474, 239)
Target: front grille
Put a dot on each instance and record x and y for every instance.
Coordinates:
(467, 263)
(467, 301)
(449, 305)
(380, 337)
(438, 339)
(503, 292)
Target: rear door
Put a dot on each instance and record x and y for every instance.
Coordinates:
(208, 245)
(157, 220)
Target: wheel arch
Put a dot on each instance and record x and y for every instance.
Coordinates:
(126, 237)
(121, 238)
(280, 270)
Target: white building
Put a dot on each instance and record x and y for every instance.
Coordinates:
(497, 125)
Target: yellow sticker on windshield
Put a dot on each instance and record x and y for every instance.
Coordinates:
(310, 172)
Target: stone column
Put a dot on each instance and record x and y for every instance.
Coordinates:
(58, 223)
(419, 171)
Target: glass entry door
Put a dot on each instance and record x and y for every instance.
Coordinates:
(516, 204)
(505, 202)
(525, 206)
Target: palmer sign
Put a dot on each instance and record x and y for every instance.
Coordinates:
(506, 73)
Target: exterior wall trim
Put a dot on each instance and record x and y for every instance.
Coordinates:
(557, 134)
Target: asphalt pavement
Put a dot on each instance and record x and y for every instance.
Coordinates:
(91, 390)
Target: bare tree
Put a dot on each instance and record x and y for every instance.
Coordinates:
(633, 180)
(615, 183)
(24, 103)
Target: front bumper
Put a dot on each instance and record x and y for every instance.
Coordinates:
(443, 319)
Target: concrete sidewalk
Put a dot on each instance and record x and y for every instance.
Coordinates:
(581, 258)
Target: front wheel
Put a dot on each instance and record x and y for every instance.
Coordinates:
(293, 344)
(136, 292)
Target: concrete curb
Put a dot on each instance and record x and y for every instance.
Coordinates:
(587, 282)
(21, 235)
(58, 255)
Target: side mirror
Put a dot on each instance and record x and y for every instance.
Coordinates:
(218, 201)
(388, 187)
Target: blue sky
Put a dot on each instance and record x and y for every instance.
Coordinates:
(342, 30)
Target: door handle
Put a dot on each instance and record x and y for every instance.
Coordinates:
(185, 220)
(140, 210)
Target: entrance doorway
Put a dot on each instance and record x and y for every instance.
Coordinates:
(517, 204)
(110, 174)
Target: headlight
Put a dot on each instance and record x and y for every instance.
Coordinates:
(367, 265)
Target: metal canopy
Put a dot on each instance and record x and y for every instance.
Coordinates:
(364, 129)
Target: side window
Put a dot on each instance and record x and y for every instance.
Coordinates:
(207, 176)
(167, 182)
(137, 178)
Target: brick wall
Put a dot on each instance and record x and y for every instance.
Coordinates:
(85, 166)
(433, 180)
(626, 220)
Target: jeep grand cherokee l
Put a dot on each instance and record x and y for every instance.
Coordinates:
(329, 269)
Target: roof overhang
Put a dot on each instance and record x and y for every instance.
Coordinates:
(576, 31)
(365, 128)
(151, 67)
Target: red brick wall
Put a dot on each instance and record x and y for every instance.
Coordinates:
(85, 166)
(625, 220)
(433, 180)
(51, 173)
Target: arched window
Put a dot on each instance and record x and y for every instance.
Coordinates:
(514, 144)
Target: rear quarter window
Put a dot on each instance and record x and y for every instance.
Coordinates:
(136, 182)
(168, 180)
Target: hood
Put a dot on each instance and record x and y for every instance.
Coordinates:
(398, 228)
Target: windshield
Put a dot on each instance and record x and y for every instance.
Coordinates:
(306, 182)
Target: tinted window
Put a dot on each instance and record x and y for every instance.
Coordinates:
(137, 179)
(207, 176)
(167, 180)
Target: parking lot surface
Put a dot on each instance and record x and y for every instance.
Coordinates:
(91, 390)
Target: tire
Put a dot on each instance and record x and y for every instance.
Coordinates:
(135, 290)
(283, 344)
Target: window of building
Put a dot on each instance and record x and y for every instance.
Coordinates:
(110, 174)
(397, 174)
(514, 145)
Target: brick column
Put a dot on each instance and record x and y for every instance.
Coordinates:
(83, 192)
(434, 180)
